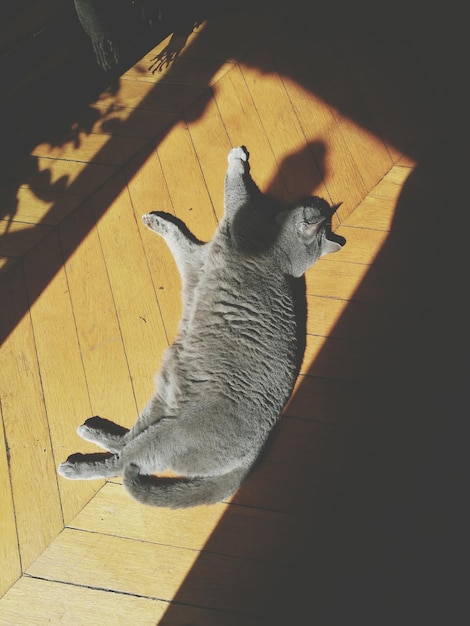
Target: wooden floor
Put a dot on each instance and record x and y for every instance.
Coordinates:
(356, 515)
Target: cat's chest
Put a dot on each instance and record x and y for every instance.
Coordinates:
(241, 285)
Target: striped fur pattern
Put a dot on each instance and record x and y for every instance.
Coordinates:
(224, 382)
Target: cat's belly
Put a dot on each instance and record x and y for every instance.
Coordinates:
(239, 374)
(240, 345)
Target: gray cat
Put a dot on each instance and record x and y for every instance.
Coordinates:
(224, 381)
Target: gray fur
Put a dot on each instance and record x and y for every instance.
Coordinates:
(224, 381)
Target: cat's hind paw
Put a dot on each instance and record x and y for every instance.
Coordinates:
(69, 470)
(240, 153)
(96, 428)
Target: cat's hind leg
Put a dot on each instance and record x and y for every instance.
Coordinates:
(104, 433)
(90, 466)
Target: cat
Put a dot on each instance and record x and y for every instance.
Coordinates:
(225, 380)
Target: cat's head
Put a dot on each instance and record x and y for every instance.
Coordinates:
(305, 234)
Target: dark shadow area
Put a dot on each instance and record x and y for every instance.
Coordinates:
(385, 534)
(391, 545)
(394, 551)
(53, 66)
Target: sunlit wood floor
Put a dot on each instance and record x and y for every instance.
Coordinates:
(353, 512)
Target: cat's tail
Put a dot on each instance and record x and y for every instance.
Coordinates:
(178, 493)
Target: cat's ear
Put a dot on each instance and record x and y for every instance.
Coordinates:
(308, 230)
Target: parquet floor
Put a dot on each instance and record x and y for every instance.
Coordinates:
(357, 514)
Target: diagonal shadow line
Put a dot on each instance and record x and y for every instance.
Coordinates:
(151, 101)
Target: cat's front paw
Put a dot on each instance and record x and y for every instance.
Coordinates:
(155, 222)
(238, 154)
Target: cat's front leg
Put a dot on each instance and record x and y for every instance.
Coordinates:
(239, 189)
(185, 247)
(238, 160)
(159, 222)
(188, 252)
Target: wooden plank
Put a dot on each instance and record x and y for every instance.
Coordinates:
(392, 183)
(362, 245)
(148, 192)
(123, 121)
(368, 283)
(158, 571)
(55, 603)
(212, 146)
(185, 71)
(106, 369)
(313, 496)
(329, 148)
(244, 127)
(344, 403)
(332, 82)
(105, 149)
(17, 238)
(42, 175)
(139, 317)
(376, 212)
(5, 264)
(60, 364)
(378, 209)
(37, 507)
(396, 253)
(48, 208)
(297, 167)
(384, 363)
(239, 531)
(324, 313)
(406, 200)
(10, 564)
(190, 200)
(336, 280)
(74, 176)
(324, 447)
(164, 97)
(323, 128)
(360, 321)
